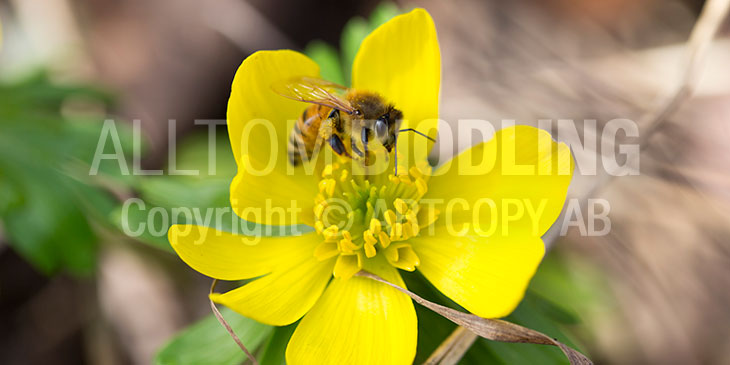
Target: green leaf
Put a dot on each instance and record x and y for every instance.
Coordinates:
(433, 329)
(197, 150)
(49, 231)
(274, 351)
(138, 221)
(353, 34)
(382, 13)
(45, 207)
(328, 60)
(572, 284)
(170, 192)
(207, 342)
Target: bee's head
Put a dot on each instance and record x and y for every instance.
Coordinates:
(386, 127)
(380, 119)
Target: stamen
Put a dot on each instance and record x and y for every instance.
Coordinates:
(327, 171)
(370, 250)
(330, 232)
(318, 210)
(381, 214)
(375, 226)
(384, 239)
(400, 206)
(369, 238)
(390, 217)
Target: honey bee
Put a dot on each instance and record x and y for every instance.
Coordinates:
(347, 123)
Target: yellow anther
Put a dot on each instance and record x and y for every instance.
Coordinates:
(318, 211)
(370, 250)
(396, 232)
(375, 226)
(331, 187)
(400, 206)
(384, 231)
(369, 238)
(407, 230)
(384, 239)
(421, 186)
(347, 246)
(411, 218)
(322, 185)
(389, 217)
(319, 198)
(330, 232)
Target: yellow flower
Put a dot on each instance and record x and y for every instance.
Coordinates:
(404, 222)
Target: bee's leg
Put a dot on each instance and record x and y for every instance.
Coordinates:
(353, 143)
(337, 145)
(328, 126)
(364, 137)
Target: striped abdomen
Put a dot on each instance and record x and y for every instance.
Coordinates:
(304, 136)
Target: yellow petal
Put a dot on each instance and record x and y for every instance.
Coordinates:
(514, 184)
(259, 123)
(401, 61)
(487, 276)
(283, 296)
(358, 321)
(325, 250)
(275, 199)
(227, 256)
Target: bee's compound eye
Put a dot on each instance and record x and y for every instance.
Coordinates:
(381, 129)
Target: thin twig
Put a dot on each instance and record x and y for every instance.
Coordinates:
(453, 348)
(491, 329)
(228, 328)
(698, 45)
(707, 25)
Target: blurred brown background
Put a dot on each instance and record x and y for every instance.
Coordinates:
(666, 260)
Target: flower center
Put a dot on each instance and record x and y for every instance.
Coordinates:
(363, 216)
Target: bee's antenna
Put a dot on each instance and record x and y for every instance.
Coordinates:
(417, 132)
(395, 144)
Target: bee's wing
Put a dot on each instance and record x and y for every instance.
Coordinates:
(313, 90)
